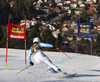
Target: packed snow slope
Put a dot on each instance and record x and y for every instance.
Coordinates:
(87, 67)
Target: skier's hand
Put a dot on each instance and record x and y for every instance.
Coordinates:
(31, 63)
(54, 46)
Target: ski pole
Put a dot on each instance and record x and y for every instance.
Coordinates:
(63, 52)
(22, 70)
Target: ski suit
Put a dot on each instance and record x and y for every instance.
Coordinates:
(39, 56)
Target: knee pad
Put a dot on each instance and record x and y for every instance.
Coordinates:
(52, 70)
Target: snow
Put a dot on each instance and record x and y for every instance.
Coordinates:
(87, 67)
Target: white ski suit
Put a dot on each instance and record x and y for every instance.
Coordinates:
(39, 56)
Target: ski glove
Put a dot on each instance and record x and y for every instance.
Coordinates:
(31, 63)
(54, 46)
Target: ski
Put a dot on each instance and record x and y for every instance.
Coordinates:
(65, 75)
(61, 74)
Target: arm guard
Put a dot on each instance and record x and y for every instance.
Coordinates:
(29, 56)
(45, 45)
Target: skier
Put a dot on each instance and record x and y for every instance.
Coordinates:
(39, 56)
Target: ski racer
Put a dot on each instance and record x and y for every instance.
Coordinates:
(39, 56)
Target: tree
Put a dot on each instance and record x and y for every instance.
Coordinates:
(19, 10)
(1, 34)
(34, 32)
(48, 37)
(4, 12)
(98, 9)
(84, 46)
(85, 15)
(59, 40)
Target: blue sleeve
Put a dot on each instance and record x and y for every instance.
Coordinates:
(45, 45)
(29, 56)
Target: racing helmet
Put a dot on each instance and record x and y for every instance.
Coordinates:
(36, 39)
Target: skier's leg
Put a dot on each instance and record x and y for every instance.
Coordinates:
(51, 67)
(53, 70)
(40, 57)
